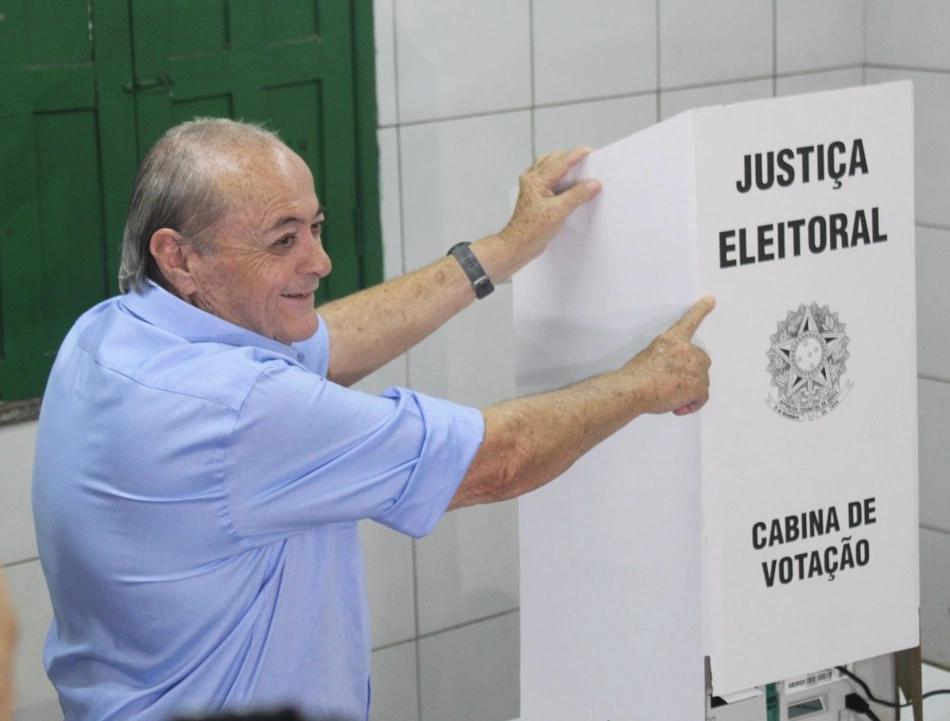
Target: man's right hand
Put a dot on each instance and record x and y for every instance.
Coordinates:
(531, 441)
(674, 371)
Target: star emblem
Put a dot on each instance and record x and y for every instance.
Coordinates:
(807, 358)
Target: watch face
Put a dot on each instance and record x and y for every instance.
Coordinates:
(483, 286)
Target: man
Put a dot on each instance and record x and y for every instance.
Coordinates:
(201, 465)
(8, 639)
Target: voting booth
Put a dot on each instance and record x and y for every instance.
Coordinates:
(775, 533)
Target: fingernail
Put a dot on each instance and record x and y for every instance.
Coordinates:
(592, 186)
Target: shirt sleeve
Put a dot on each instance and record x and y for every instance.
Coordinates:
(305, 451)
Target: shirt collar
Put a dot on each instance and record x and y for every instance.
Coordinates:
(157, 306)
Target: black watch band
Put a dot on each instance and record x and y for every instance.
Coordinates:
(481, 283)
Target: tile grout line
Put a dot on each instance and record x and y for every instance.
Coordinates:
(932, 378)
(774, 48)
(402, 254)
(21, 562)
(415, 638)
(908, 68)
(624, 96)
(657, 116)
(864, 48)
(534, 143)
(456, 627)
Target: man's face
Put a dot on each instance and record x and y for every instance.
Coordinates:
(268, 257)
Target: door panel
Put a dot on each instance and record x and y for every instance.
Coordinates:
(87, 86)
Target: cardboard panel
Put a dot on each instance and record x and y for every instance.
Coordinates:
(610, 552)
(749, 532)
(810, 448)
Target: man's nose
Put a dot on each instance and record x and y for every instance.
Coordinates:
(317, 261)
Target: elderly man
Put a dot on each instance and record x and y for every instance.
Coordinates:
(201, 465)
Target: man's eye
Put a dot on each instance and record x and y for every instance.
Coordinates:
(317, 227)
(286, 241)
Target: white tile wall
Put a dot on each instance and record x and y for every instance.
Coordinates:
(28, 590)
(468, 567)
(908, 34)
(932, 142)
(471, 673)
(448, 180)
(814, 34)
(470, 360)
(390, 584)
(455, 178)
(714, 42)
(390, 202)
(815, 82)
(394, 682)
(935, 597)
(593, 49)
(933, 302)
(595, 124)
(934, 431)
(384, 38)
(936, 679)
(391, 374)
(456, 57)
(17, 539)
(673, 102)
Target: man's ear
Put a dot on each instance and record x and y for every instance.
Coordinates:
(172, 255)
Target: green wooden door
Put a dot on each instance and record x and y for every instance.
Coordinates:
(86, 87)
(60, 222)
(287, 63)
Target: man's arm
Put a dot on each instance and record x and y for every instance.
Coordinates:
(531, 441)
(370, 328)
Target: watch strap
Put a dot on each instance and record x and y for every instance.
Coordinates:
(479, 279)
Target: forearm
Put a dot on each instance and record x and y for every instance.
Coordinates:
(370, 328)
(531, 441)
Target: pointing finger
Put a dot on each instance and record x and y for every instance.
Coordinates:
(687, 325)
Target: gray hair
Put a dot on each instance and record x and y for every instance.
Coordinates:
(176, 187)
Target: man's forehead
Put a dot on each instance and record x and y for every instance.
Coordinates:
(265, 182)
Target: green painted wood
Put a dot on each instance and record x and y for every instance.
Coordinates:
(59, 32)
(197, 28)
(112, 46)
(14, 35)
(51, 211)
(71, 227)
(369, 233)
(86, 87)
(290, 64)
(287, 21)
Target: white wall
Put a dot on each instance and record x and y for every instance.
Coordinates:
(468, 93)
(909, 41)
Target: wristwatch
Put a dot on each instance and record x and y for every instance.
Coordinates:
(481, 283)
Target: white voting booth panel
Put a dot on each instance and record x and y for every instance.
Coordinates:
(775, 532)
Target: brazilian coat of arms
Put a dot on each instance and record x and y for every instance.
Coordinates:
(807, 359)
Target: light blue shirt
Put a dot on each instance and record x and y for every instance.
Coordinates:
(196, 492)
